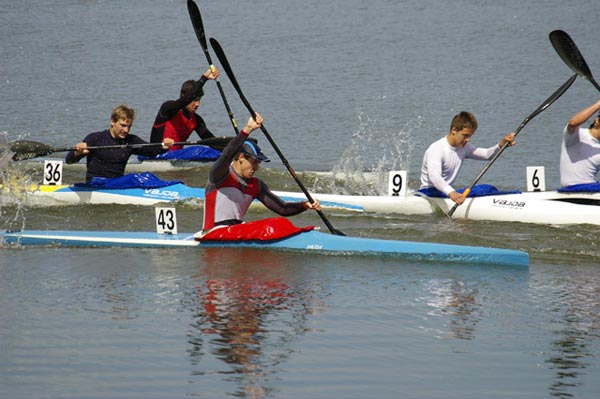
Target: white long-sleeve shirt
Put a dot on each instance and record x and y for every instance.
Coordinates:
(442, 162)
(579, 157)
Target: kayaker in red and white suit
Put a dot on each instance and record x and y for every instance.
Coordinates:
(232, 186)
(177, 119)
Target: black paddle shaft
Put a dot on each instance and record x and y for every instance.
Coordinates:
(541, 108)
(24, 149)
(225, 63)
(199, 30)
(570, 54)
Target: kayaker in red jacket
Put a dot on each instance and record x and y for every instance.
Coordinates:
(232, 186)
(177, 119)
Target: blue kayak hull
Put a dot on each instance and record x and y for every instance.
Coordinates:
(81, 194)
(309, 242)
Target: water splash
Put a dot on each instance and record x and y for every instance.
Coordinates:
(12, 189)
(5, 152)
(377, 147)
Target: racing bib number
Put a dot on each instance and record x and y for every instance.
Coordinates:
(166, 220)
(397, 182)
(52, 172)
(536, 178)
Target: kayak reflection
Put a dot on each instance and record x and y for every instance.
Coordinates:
(254, 306)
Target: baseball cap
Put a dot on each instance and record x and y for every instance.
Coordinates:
(253, 150)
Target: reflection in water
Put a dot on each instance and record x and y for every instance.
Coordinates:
(581, 324)
(252, 310)
(454, 299)
(569, 363)
(115, 295)
(120, 298)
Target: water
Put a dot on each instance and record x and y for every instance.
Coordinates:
(344, 86)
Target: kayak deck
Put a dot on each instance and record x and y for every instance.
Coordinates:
(310, 242)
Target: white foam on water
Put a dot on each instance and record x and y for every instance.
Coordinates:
(378, 146)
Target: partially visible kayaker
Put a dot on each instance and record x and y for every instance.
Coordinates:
(580, 148)
(177, 119)
(232, 186)
(444, 157)
(111, 162)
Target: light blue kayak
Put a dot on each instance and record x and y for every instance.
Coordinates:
(309, 242)
(81, 194)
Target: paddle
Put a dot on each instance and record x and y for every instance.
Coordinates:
(199, 29)
(221, 56)
(24, 149)
(568, 51)
(542, 107)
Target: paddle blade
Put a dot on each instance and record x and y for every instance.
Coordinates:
(197, 23)
(337, 232)
(570, 54)
(29, 149)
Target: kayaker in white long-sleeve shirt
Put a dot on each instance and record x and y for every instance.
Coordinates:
(444, 157)
(580, 149)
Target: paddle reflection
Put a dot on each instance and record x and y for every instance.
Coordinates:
(454, 299)
(580, 314)
(254, 306)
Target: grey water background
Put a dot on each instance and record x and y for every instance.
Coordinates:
(345, 86)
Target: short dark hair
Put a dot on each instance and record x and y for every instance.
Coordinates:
(464, 120)
(188, 86)
(594, 120)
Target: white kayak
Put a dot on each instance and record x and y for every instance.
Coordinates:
(133, 166)
(544, 207)
(540, 207)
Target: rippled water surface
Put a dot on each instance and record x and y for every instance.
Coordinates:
(344, 86)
